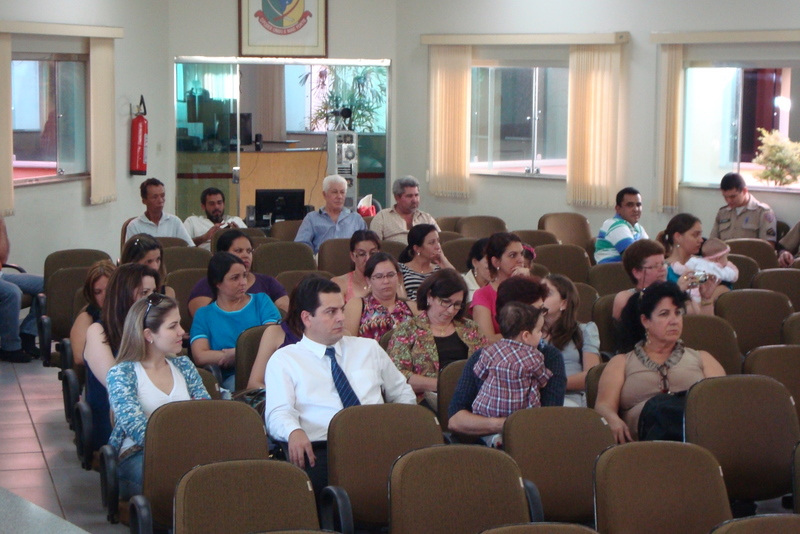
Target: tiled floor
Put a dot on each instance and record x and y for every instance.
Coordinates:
(37, 455)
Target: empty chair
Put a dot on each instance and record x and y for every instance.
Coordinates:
(260, 240)
(457, 488)
(602, 317)
(555, 448)
(457, 252)
(682, 492)
(758, 249)
(592, 383)
(572, 228)
(274, 258)
(445, 236)
(749, 424)
(716, 336)
(76, 257)
(609, 278)
(285, 230)
(747, 270)
(334, 256)
(478, 226)
(772, 523)
(790, 331)
(781, 362)
(176, 258)
(364, 441)
(786, 281)
(182, 282)
(290, 279)
(447, 224)
(60, 288)
(246, 350)
(535, 238)
(394, 248)
(169, 242)
(570, 260)
(756, 315)
(242, 496)
(588, 296)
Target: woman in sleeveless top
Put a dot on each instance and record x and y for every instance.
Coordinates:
(381, 309)
(147, 376)
(363, 245)
(421, 258)
(94, 292)
(659, 363)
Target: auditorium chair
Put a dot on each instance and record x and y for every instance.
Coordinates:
(182, 282)
(781, 362)
(445, 236)
(786, 281)
(447, 224)
(246, 351)
(290, 279)
(760, 524)
(602, 317)
(540, 528)
(716, 336)
(334, 256)
(536, 238)
(758, 249)
(756, 316)
(56, 321)
(285, 230)
(587, 296)
(251, 232)
(446, 386)
(569, 228)
(479, 226)
(274, 258)
(790, 331)
(395, 248)
(592, 383)
(748, 268)
(609, 278)
(570, 260)
(457, 252)
(177, 258)
(171, 242)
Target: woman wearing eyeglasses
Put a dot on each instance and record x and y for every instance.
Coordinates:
(438, 336)
(146, 376)
(240, 245)
(363, 245)
(658, 363)
(216, 327)
(379, 311)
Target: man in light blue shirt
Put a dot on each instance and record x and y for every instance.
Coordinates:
(332, 220)
(618, 232)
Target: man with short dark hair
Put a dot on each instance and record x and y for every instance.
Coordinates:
(311, 381)
(155, 221)
(618, 232)
(743, 215)
(202, 228)
(394, 223)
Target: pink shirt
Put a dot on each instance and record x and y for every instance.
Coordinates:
(486, 297)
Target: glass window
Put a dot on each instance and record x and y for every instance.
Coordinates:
(48, 105)
(519, 120)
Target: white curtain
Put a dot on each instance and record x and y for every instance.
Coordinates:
(595, 85)
(670, 125)
(101, 121)
(271, 88)
(450, 79)
(6, 130)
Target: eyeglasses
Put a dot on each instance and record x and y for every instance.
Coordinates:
(389, 276)
(663, 382)
(662, 265)
(448, 304)
(363, 253)
(153, 299)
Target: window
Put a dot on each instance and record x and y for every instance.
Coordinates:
(519, 120)
(48, 106)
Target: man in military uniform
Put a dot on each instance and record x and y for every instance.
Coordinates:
(743, 216)
(789, 247)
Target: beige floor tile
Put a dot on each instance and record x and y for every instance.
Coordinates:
(25, 478)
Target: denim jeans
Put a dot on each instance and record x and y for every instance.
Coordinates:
(130, 475)
(12, 286)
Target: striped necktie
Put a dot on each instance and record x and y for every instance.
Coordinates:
(346, 392)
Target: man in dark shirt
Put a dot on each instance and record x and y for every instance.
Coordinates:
(528, 291)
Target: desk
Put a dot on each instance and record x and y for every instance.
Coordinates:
(21, 517)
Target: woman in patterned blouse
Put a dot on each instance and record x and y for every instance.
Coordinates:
(424, 345)
(381, 309)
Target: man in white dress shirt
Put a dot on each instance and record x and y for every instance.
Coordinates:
(302, 395)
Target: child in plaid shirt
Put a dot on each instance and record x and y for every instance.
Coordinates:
(512, 369)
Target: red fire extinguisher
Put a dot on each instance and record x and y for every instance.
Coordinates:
(139, 140)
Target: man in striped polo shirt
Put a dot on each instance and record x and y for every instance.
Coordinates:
(618, 232)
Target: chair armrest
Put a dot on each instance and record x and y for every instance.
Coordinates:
(336, 512)
(14, 266)
(44, 326)
(534, 501)
(109, 482)
(141, 515)
(70, 391)
(64, 347)
(84, 428)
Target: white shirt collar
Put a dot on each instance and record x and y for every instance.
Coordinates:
(318, 349)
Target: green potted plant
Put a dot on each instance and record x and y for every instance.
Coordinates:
(360, 88)
(780, 157)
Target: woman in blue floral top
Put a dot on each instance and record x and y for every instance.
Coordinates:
(145, 378)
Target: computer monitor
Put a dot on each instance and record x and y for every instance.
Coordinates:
(274, 205)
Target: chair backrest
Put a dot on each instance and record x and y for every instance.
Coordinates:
(257, 233)
(364, 441)
(334, 256)
(758, 249)
(446, 387)
(285, 230)
(124, 232)
(242, 496)
(182, 282)
(76, 257)
(572, 228)
(609, 278)
(781, 362)
(750, 425)
(176, 258)
(447, 224)
(169, 242)
(540, 528)
(274, 258)
(682, 492)
(592, 383)
(747, 270)
(756, 315)
(536, 238)
(181, 435)
(246, 350)
(715, 335)
(445, 236)
(790, 331)
(395, 248)
(772, 523)
(427, 485)
(786, 281)
(210, 383)
(457, 252)
(60, 289)
(479, 226)
(539, 270)
(588, 296)
(290, 279)
(555, 448)
(570, 260)
(258, 241)
(602, 317)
